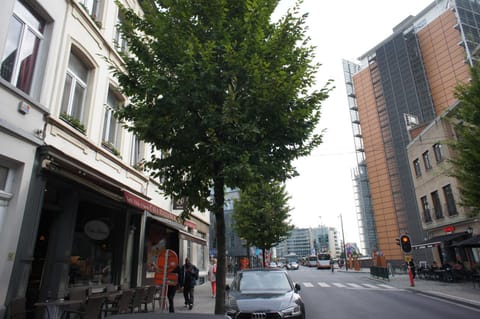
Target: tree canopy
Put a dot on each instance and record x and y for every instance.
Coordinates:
(466, 160)
(224, 95)
(261, 215)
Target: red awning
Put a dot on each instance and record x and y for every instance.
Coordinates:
(142, 204)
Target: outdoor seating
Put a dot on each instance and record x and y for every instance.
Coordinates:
(120, 305)
(149, 296)
(92, 310)
(137, 299)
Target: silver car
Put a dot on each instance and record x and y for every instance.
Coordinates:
(264, 293)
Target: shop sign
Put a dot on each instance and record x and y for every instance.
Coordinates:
(449, 229)
(96, 229)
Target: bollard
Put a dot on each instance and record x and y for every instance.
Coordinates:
(410, 275)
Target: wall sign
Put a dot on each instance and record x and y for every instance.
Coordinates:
(96, 229)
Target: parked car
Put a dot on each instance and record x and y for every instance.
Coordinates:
(264, 293)
(272, 264)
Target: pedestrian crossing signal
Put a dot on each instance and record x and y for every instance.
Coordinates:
(405, 243)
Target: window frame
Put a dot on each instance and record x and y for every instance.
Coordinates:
(427, 217)
(26, 28)
(72, 95)
(450, 200)
(426, 160)
(417, 167)
(437, 206)
(109, 118)
(437, 151)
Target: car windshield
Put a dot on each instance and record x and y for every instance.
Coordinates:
(264, 281)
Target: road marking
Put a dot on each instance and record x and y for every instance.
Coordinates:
(339, 285)
(308, 284)
(369, 285)
(323, 284)
(386, 286)
(354, 285)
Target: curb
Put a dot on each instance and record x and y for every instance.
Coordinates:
(440, 295)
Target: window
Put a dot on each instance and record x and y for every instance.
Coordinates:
(25, 35)
(138, 149)
(426, 210)
(91, 6)
(437, 150)
(426, 160)
(3, 178)
(417, 168)
(451, 206)
(74, 92)
(110, 123)
(436, 205)
(118, 40)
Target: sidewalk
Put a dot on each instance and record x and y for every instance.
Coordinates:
(460, 292)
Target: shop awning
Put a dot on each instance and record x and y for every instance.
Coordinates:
(470, 242)
(435, 241)
(191, 237)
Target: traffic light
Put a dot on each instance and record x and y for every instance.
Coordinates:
(405, 243)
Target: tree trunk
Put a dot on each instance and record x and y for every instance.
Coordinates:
(264, 258)
(219, 198)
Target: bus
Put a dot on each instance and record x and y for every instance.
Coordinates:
(312, 261)
(323, 261)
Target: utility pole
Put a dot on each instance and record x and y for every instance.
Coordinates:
(343, 239)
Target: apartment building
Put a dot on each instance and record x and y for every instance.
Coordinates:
(406, 80)
(77, 207)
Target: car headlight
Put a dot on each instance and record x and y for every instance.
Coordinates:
(291, 311)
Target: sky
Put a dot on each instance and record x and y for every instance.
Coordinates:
(340, 29)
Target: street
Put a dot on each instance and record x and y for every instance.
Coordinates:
(349, 294)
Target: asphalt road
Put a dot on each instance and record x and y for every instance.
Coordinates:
(342, 295)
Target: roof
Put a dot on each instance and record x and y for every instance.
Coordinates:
(435, 241)
(470, 242)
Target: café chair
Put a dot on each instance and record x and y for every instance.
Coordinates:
(137, 299)
(150, 292)
(120, 305)
(92, 310)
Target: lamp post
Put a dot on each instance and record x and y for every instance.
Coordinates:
(343, 239)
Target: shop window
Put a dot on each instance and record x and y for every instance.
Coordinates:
(91, 261)
(22, 47)
(74, 92)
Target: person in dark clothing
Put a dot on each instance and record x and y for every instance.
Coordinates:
(171, 290)
(188, 279)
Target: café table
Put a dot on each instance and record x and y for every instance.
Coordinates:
(54, 307)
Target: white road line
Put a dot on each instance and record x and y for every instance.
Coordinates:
(308, 284)
(369, 285)
(354, 285)
(323, 284)
(339, 285)
(386, 286)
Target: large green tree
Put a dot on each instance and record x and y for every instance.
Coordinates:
(466, 160)
(224, 93)
(261, 215)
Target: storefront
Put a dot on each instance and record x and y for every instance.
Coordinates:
(84, 229)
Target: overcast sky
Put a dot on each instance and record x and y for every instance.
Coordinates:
(340, 29)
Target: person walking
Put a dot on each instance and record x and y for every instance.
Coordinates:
(212, 271)
(188, 280)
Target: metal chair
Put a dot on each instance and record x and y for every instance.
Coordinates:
(149, 297)
(93, 309)
(121, 304)
(137, 299)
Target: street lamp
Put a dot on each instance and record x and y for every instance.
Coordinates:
(343, 239)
